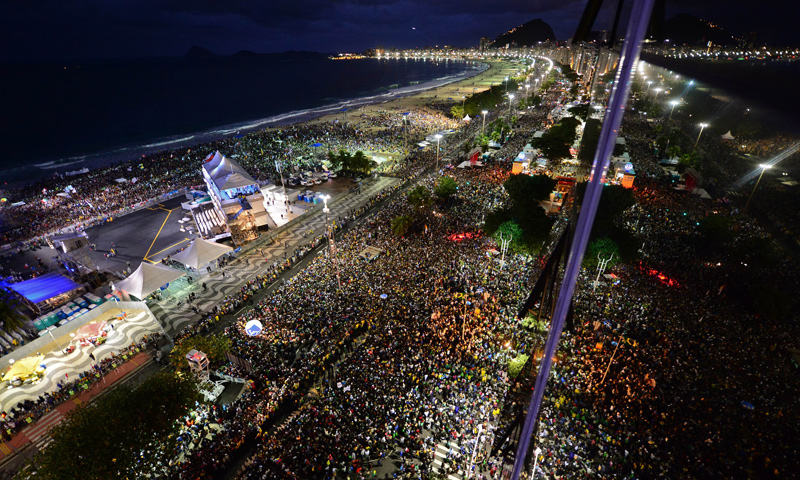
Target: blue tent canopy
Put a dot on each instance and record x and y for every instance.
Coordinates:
(45, 287)
(316, 144)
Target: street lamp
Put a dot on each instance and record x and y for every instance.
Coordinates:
(437, 137)
(510, 98)
(536, 452)
(484, 112)
(657, 90)
(279, 168)
(764, 167)
(506, 82)
(54, 339)
(702, 126)
(327, 210)
(673, 103)
(649, 82)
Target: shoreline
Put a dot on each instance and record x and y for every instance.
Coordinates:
(112, 158)
(482, 80)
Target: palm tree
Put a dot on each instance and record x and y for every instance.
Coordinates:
(9, 316)
(674, 151)
(420, 198)
(691, 159)
(401, 224)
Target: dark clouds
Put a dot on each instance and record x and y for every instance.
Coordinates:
(76, 29)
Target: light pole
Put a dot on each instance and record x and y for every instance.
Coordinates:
(657, 90)
(330, 239)
(702, 126)
(483, 127)
(506, 82)
(54, 339)
(764, 167)
(673, 103)
(278, 167)
(437, 137)
(536, 452)
(649, 82)
(510, 99)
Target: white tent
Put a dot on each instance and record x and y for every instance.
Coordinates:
(468, 164)
(212, 160)
(466, 118)
(727, 136)
(147, 279)
(200, 252)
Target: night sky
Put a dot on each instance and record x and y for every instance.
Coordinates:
(82, 29)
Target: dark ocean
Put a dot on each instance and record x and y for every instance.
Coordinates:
(60, 118)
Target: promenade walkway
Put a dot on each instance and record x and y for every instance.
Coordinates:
(36, 433)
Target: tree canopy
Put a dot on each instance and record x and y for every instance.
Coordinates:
(605, 248)
(420, 198)
(10, 318)
(614, 200)
(525, 190)
(401, 224)
(355, 163)
(523, 219)
(445, 187)
(555, 143)
(591, 135)
(105, 439)
(582, 111)
(214, 346)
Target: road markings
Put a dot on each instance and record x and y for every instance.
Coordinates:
(163, 249)
(157, 234)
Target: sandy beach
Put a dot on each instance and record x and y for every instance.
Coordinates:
(495, 75)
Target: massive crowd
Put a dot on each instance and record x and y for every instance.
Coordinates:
(402, 372)
(61, 202)
(405, 366)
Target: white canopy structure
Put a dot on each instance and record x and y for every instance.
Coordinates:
(467, 164)
(727, 136)
(147, 279)
(200, 252)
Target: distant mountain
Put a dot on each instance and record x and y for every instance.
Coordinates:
(244, 54)
(526, 35)
(688, 29)
(199, 52)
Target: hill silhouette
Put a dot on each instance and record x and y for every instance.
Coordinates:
(690, 30)
(526, 35)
